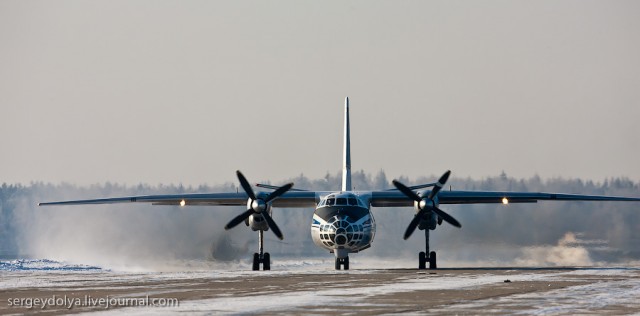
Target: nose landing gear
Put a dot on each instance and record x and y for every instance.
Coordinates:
(344, 262)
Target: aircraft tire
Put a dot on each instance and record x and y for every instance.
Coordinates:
(256, 261)
(337, 264)
(266, 262)
(432, 260)
(422, 260)
(345, 263)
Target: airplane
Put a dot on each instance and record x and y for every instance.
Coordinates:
(342, 221)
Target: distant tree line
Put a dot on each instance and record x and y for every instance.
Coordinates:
(611, 230)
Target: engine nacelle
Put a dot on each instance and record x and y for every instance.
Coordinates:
(257, 221)
(430, 222)
(431, 219)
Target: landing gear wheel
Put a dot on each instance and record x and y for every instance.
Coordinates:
(256, 261)
(432, 260)
(422, 260)
(266, 262)
(342, 262)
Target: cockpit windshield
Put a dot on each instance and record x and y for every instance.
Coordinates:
(349, 200)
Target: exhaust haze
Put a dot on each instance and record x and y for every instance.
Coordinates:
(143, 237)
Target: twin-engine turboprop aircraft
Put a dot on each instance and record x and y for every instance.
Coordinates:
(342, 221)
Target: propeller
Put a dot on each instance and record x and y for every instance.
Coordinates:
(258, 205)
(426, 204)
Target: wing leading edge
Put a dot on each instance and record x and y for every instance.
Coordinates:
(289, 199)
(378, 198)
(395, 198)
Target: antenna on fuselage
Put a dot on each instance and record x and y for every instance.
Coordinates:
(346, 154)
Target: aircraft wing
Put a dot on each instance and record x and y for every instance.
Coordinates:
(396, 198)
(469, 197)
(289, 199)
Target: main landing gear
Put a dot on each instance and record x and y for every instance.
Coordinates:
(344, 262)
(261, 257)
(423, 258)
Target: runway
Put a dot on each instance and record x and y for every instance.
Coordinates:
(317, 289)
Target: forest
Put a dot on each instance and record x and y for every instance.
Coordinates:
(544, 233)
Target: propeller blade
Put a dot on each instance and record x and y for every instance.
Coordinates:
(238, 219)
(245, 185)
(272, 225)
(406, 191)
(443, 179)
(448, 218)
(278, 192)
(413, 224)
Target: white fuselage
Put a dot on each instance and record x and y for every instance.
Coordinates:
(343, 224)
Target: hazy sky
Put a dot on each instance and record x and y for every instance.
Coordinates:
(190, 91)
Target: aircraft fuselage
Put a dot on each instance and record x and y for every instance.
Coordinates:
(343, 224)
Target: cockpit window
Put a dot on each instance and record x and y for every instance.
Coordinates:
(345, 200)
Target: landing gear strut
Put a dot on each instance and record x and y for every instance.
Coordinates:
(344, 262)
(261, 256)
(423, 258)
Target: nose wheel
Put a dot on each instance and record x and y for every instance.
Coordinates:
(344, 262)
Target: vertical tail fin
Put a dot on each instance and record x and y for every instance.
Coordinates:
(346, 155)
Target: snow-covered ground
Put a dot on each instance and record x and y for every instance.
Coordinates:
(618, 287)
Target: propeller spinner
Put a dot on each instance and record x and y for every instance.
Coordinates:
(258, 205)
(426, 204)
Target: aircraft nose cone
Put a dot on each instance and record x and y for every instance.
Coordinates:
(341, 239)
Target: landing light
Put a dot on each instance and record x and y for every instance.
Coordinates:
(505, 201)
(182, 203)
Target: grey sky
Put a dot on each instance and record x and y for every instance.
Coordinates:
(190, 91)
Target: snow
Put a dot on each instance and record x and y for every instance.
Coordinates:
(612, 286)
(332, 298)
(578, 299)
